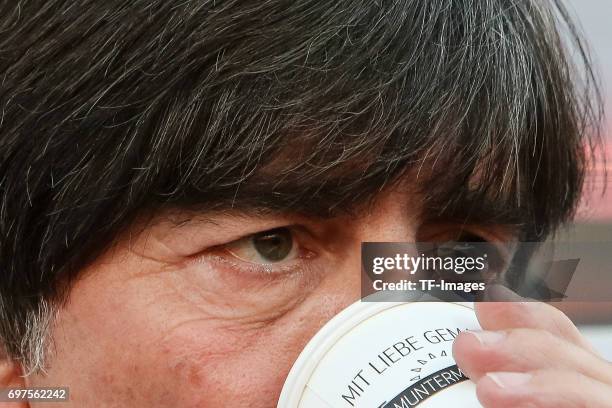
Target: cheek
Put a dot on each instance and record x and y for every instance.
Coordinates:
(124, 343)
(246, 363)
(104, 351)
(194, 364)
(248, 369)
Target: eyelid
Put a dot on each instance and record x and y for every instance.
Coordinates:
(195, 235)
(221, 254)
(451, 231)
(233, 248)
(505, 253)
(254, 268)
(505, 250)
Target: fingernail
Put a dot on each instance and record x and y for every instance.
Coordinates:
(488, 337)
(509, 380)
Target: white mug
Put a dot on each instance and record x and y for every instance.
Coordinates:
(384, 355)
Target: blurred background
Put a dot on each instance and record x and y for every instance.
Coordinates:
(594, 220)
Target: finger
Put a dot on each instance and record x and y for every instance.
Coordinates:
(542, 389)
(478, 353)
(519, 313)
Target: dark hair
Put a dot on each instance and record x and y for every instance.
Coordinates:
(114, 108)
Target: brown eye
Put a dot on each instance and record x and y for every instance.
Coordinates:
(266, 247)
(273, 245)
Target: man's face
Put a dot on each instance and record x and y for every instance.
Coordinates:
(196, 311)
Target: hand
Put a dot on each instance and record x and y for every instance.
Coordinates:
(531, 355)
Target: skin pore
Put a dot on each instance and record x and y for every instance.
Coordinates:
(186, 314)
(279, 116)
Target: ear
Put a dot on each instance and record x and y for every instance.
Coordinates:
(11, 376)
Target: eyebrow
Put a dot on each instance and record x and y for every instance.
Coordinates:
(263, 201)
(476, 209)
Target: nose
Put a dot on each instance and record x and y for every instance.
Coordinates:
(391, 217)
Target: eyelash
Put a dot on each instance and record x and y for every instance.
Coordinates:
(222, 256)
(253, 268)
(499, 259)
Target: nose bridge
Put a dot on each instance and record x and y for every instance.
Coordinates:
(392, 218)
